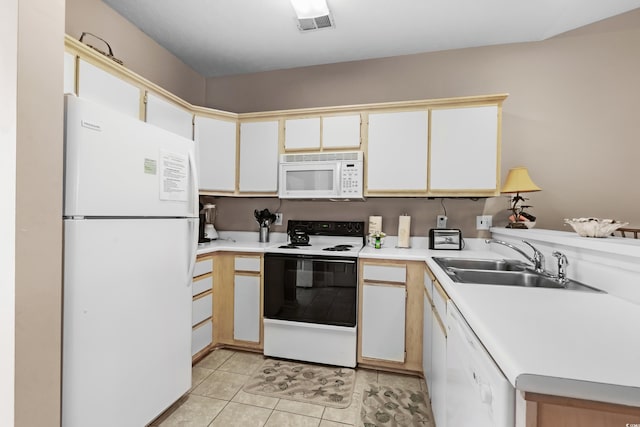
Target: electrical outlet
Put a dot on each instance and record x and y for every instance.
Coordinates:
(278, 220)
(441, 221)
(483, 222)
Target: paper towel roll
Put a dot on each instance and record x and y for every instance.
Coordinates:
(375, 224)
(404, 227)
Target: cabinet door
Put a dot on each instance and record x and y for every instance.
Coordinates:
(69, 73)
(302, 134)
(341, 132)
(439, 371)
(383, 321)
(246, 308)
(216, 153)
(397, 152)
(259, 157)
(427, 342)
(99, 86)
(464, 149)
(169, 116)
(201, 337)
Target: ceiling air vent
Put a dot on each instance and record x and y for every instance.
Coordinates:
(317, 23)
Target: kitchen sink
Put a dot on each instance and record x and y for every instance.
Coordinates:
(504, 272)
(482, 264)
(516, 278)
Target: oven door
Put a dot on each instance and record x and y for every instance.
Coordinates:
(309, 181)
(311, 289)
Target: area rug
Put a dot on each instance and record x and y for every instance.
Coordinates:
(317, 384)
(394, 407)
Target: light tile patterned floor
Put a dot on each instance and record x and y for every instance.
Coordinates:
(216, 397)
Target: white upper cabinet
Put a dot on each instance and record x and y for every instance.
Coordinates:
(397, 152)
(464, 149)
(302, 134)
(69, 73)
(341, 131)
(169, 116)
(216, 153)
(104, 88)
(259, 157)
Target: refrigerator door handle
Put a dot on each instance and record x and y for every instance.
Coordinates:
(194, 185)
(193, 233)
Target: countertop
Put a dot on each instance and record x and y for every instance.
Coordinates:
(566, 343)
(240, 241)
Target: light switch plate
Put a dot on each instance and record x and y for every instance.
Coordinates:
(483, 222)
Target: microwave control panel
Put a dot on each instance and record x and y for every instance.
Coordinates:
(351, 178)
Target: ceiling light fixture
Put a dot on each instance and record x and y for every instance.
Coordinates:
(309, 9)
(312, 14)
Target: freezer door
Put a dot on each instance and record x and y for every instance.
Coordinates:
(127, 320)
(118, 166)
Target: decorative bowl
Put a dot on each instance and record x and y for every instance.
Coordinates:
(594, 227)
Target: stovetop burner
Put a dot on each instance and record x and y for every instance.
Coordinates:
(325, 239)
(338, 248)
(294, 245)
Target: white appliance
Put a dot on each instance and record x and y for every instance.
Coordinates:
(321, 176)
(130, 241)
(478, 394)
(310, 293)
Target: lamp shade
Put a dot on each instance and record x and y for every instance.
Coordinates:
(519, 181)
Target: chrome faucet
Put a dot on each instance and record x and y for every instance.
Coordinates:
(562, 266)
(537, 260)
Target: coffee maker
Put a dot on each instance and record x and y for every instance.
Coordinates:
(207, 217)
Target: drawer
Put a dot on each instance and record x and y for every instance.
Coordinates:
(202, 309)
(201, 284)
(440, 299)
(203, 266)
(247, 263)
(428, 284)
(385, 273)
(201, 337)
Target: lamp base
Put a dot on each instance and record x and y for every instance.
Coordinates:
(519, 225)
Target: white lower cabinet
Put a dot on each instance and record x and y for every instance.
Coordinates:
(383, 321)
(438, 390)
(427, 334)
(246, 308)
(439, 371)
(201, 337)
(202, 305)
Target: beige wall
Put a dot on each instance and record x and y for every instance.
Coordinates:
(237, 214)
(571, 117)
(139, 52)
(31, 252)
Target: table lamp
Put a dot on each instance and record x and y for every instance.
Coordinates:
(518, 181)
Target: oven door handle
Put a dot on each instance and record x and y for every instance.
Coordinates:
(335, 261)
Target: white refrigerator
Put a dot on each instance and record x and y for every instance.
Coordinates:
(130, 241)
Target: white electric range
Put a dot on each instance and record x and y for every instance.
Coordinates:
(310, 293)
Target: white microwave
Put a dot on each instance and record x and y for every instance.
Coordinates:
(321, 175)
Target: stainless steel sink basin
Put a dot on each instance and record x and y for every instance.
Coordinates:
(516, 278)
(504, 272)
(481, 264)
